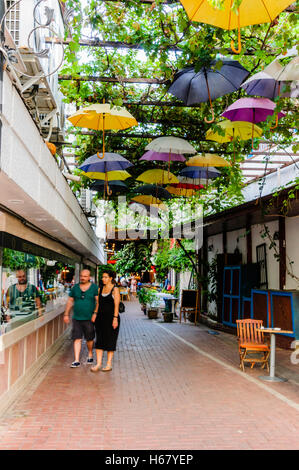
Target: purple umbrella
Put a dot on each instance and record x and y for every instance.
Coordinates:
(163, 156)
(251, 110)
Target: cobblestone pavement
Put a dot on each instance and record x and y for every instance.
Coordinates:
(173, 386)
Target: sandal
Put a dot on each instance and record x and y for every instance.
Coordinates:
(107, 369)
(95, 369)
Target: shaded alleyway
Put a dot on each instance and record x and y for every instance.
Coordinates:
(172, 387)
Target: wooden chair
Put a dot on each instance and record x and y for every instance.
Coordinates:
(190, 303)
(124, 293)
(252, 341)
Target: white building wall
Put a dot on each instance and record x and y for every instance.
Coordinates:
(237, 239)
(216, 247)
(272, 263)
(27, 163)
(292, 251)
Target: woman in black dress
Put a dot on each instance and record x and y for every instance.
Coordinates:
(107, 321)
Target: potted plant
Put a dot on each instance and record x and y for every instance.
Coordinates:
(152, 310)
(143, 298)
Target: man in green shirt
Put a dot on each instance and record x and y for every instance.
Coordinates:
(84, 298)
(23, 294)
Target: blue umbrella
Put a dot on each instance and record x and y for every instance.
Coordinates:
(110, 162)
(115, 186)
(153, 190)
(208, 83)
(200, 172)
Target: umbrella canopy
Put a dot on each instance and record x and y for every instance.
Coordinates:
(251, 110)
(183, 192)
(199, 172)
(208, 159)
(151, 211)
(209, 83)
(108, 176)
(151, 155)
(234, 130)
(103, 116)
(170, 145)
(187, 185)
(249, 12)
(287, 73)
(153, 190)
(157, 177)
(149, 201)
(272, 80)
(108, 162)
(115, 186)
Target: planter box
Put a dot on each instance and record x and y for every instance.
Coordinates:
(152, 313)
(168, 317)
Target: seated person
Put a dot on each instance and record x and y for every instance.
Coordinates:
(23, 294)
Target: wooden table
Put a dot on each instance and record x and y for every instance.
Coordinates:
(272, 331)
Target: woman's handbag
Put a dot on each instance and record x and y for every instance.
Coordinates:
(121, 308)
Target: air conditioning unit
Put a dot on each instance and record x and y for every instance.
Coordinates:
(86, 200)
(12, 20)
(93, 210)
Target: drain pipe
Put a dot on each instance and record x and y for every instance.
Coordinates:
(2, 12)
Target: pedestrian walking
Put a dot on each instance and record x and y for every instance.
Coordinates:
(84, 298)
(107, 321)
(133, 286)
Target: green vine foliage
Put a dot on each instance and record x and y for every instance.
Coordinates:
(155, 29)
(168, 258)
(133, 258)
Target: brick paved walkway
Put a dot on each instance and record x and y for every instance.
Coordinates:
(172, 387)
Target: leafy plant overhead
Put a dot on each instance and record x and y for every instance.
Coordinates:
(155, 41)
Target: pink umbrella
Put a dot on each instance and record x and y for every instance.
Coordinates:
(163, 156)
(252, 110)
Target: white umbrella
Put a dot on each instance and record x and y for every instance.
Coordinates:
(171, 144)
(272, 79)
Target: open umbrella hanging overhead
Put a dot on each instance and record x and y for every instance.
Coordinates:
(234, 130)
(103, 117)
(152, 155)
(181, 191)
(107, 163)
(272, 81)
(153, 190)
(173, 147)
(200, 172)
(171, 144)
(157, 176)
(109, 175)
(208, 83)
(149, 201)
(115, 186)
(249, 12)
(208, 159)
(252, 110)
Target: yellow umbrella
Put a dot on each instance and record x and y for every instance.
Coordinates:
(103, 117)
(183, 192)
(108, 176)
(149, 201)
(234, 129)
(157, 177)
(207, 160)
(249, 12)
